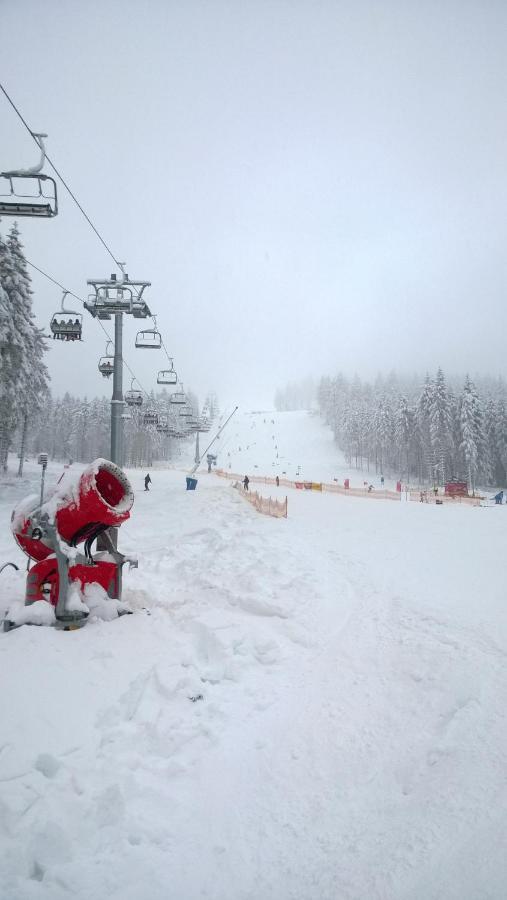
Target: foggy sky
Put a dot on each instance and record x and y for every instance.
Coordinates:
(310, 186)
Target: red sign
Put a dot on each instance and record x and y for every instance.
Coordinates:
(456, 488)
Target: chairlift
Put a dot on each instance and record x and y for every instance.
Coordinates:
(178, 398)
(106, 362)
(66, 330)
(133, 397)
(150, 417)
(167, 376)
(149, 339)
(163, 425)
(41, 201)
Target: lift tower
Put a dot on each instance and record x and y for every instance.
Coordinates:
(117, 297)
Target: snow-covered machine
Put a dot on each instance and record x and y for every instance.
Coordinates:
(83, 508)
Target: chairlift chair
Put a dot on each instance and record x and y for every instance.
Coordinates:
(66, 330)
(41, 201)
(106, 362)
(149, 338)
(178, 398)
(133, 397)
(167, 376)
(150, 417)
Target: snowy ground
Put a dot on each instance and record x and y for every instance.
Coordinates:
(313, 710)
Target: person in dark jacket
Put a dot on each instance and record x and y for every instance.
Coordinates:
(246, 482)
(147, 481)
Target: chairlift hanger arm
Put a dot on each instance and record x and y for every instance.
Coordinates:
(34, 170)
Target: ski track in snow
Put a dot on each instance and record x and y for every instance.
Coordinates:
(310, 709)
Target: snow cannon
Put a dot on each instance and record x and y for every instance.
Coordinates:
(83, 507)
(102, 497)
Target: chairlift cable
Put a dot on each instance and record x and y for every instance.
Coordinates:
(101, 239)
(62, 179)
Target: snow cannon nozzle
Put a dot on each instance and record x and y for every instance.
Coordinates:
(101, 495)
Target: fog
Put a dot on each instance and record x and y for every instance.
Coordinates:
(309, 186)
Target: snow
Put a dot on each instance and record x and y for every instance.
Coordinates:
(300, 709)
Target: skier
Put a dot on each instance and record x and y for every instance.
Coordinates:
(277, 481)
(246, 482)
(382, 480)
(147, 481)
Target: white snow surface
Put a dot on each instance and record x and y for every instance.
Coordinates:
(300, 709)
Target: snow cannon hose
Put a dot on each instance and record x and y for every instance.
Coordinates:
(81, 506)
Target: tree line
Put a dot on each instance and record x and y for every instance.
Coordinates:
(76, 428)
(430, 433)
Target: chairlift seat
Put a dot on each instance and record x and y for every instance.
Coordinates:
(106, 366)
(150, 339)
(28, 206)
(30, 210)
(167, 376)
(134, 398)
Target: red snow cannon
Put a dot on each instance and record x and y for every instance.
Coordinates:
(80, 509)
(102, 497)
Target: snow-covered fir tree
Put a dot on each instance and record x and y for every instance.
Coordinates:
(24, 377)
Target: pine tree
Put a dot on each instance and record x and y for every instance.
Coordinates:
(472, 434)
(24, 376)
(403, 432)
(424, 449)
(440, 427)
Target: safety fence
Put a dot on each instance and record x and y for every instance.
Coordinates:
(372, 494)
(312, 486)
(265, 505)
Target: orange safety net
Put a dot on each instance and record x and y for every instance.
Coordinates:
(265, 505)
(381, 494)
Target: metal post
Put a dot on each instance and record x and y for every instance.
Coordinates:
(197, 458)
(42, 460)
(42, 485)
(117, 402)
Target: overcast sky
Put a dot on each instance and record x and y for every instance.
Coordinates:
(309, 186)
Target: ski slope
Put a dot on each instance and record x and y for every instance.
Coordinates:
(300, 709)
(294, 444)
